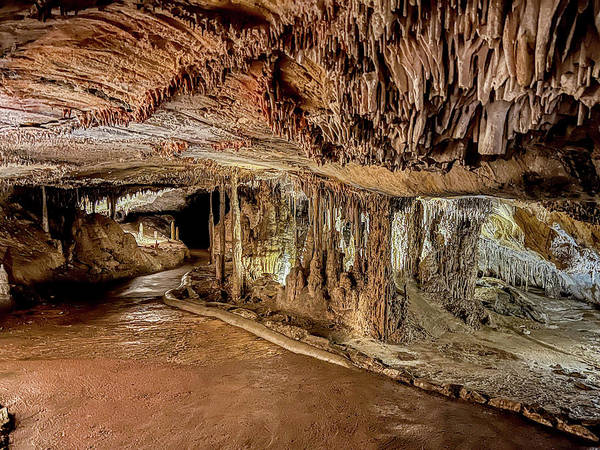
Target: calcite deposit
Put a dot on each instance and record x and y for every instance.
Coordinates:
(461, 97)
(448, 295)
(412, 185)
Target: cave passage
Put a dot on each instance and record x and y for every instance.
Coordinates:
(193, 222)
(471, 288)
(216, 214)
(193, 219)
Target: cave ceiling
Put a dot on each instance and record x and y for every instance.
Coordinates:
(403, 97)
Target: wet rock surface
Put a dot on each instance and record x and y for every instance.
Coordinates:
(510, 366)
(132, 372)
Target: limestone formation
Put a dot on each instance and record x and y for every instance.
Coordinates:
(238, 276)
(5, 297)
(406, 97)
(531, 247)
(348, 262)
(389, 171)
(211, 231)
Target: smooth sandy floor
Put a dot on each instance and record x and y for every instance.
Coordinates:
(119, 369)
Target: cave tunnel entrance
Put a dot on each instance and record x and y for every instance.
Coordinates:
(193, 219)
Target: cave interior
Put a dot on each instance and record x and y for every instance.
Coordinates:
(407, 187)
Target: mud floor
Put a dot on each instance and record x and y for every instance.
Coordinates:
(119, 369)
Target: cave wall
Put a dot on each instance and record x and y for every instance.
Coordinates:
(28, 254)
(448, 262)
(344, 274)
(528, 245)
(348, 254)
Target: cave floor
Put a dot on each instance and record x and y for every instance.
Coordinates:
(555, 366)
(120, 369)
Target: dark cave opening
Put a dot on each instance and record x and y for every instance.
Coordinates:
(194, 218)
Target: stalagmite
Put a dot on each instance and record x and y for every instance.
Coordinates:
(177, 233)
(172, 230)
(45, 224)
(220, 263)
(237, 282)
(211, 230)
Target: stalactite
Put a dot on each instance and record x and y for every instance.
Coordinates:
(396, 80)
(425, 85)
(238, 282)
(505, 256)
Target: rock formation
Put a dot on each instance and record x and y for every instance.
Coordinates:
(406, 97)
(5, 297)
(532, 247)
(77, 247)
(390, 170)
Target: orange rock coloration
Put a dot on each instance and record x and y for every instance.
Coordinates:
(406, 97)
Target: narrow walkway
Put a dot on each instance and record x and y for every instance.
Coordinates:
(123, 370)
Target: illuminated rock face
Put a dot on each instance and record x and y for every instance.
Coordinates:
(5, 297)
(344, 257)
(404, 97)
(529, 246)
(341, 256)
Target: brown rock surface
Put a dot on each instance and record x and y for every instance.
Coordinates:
(403, 97)
(102, 251)
(132, 372)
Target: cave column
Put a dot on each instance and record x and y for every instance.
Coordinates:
(45, 223)
(211, 230)
(317, 218)
(112, 206)
(237, 286)
(220, 263)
